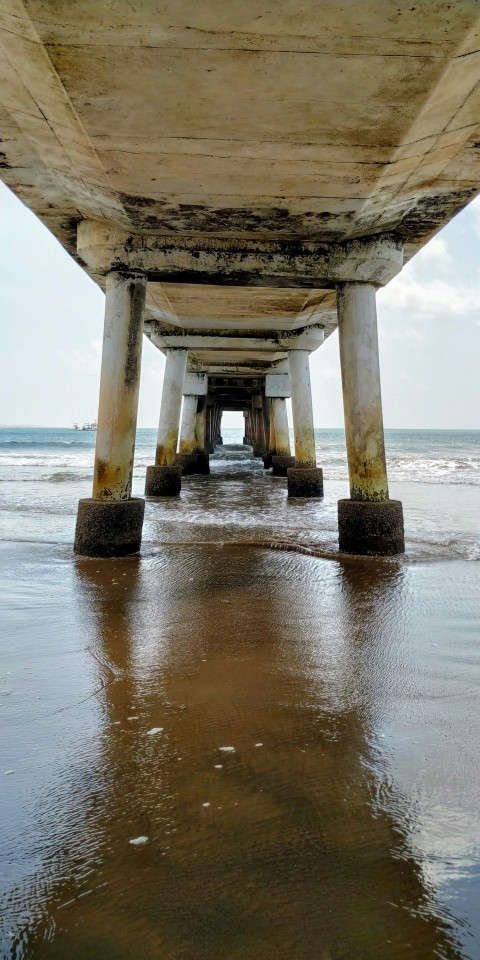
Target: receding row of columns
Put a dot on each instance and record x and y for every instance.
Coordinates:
(110, 522)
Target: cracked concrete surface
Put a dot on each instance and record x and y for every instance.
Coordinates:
(298, 122)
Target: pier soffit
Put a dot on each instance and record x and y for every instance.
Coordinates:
(238, 152)
(213, 283)
(298, 120)
(228, 351)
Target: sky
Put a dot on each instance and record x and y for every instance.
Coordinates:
(51, 326)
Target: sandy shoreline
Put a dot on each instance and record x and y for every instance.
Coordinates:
(353, 826)
(352, 831)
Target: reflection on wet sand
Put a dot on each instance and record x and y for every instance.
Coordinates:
(295, 844)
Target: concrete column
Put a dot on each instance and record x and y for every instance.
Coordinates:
(187, 430)
(164, 478)
(272, 436)
(218, 421)
(200, 425)
(168, 427)
(191, 460)
(305, 479)
(187, 457)
(203, 460)
(110, 523)
(209, 429)
(246, 429)
(259, 448)
(253, 422)
(282, 459)
(302, 410)
(269, 433)
(369, 522)
(280, 417)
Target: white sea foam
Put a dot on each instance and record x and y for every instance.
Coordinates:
(419, 456)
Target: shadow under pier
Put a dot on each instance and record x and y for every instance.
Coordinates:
(276, 846)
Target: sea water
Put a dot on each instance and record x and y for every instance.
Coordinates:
(311, 790)
(436, 474)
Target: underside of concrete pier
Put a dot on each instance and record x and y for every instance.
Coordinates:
(248, 162)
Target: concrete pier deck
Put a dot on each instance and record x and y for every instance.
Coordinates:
(231, 150)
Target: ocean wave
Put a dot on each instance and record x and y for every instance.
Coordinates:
(434, 471)
(469, 551)
(58, 477)
(431, 459)
(62, 477)
(461, 470)
(44, 463)
(81, 468)
(426, 548)
(46, 444)
(443, 463)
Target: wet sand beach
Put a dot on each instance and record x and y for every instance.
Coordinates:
(343, 819)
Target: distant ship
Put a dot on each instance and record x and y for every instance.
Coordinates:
(86, 426)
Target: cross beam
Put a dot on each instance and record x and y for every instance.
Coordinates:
(307, 339)
(236, 262)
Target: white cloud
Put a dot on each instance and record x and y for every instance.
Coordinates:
(432, 299)
(435, 253)
(431, 287)
(474, 208)
(402, 332)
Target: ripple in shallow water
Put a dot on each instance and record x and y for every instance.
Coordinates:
(346, 831)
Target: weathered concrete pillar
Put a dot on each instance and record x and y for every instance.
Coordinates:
(200, 424)
(259, 449)
(269, 433)
(246, 429)
(187, 457)
(305, 479)
(280, 417)
(209, 428)
(253, 422)
(369, 522)
(190, 458)
(165, 477)
(282, 460)
(110, 523)
(187, 429)
(203, 460)
(218, 428)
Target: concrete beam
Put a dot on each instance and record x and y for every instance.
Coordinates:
(211, 260)
(277, 385)
(251, 370)
(271, 342)
(195, 384)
